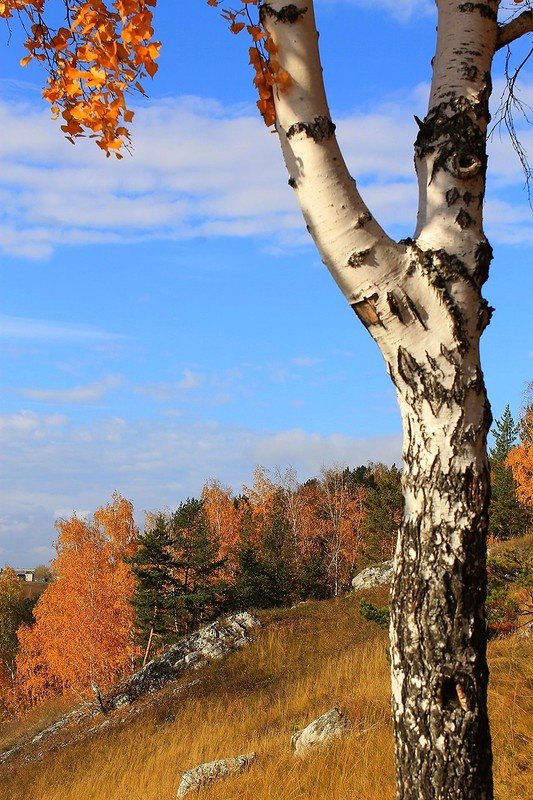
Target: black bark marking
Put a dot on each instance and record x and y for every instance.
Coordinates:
(292, 183)
(442, 270)
(484, 9)
(468, 197)
(394, 305)
(415, 311)
(484, 315)
(470, 72)
(451, 356)
(362, 219)
(482, 257)
(288, 13)
(452, 195)
(452, 133)
(366, 311)
(418, 378)
(433, 363)
(357, 258)
(320, 129)
(463, 219)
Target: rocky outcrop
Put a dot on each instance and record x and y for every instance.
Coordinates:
(377, 575)
(211, 643)
(195, 779)
(331, 725)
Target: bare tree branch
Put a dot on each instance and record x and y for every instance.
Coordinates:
(510, 103)
(514, 29)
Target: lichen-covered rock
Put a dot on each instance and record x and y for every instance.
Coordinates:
(377, 575)
(195, 779)
(331, 725)
(210, 643)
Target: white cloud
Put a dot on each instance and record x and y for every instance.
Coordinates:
(49, 466)
(308, 452)
(306, 361)
(167, 391)
(88, 393)
(29, 423)
(25, 328)
(199, 170)
(400, 9)
(190, 380)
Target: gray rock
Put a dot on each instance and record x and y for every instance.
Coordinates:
(377, 575)
(195, 779)
(331, 725)
(211, 643)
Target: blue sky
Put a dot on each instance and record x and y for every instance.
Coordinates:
(164, 319)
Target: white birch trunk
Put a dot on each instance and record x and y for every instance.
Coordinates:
(421, 301)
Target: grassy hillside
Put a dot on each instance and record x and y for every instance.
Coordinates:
(303, 661)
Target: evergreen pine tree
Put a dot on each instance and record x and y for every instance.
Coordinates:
(265, 560)
(505, 435)
(383, 513)
(507, 517)
(199, 594)
(153, 567)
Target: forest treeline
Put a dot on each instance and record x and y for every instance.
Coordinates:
(120, 594)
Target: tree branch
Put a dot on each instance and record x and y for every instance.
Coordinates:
(353, 246)
(450, 153)
(514, 29)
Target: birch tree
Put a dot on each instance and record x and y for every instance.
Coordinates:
(419, 298)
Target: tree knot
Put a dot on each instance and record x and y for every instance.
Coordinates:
(320, 129)
(289, 13)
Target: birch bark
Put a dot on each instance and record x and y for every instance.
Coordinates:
(421, 301)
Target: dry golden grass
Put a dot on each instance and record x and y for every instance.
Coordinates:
(316, 656)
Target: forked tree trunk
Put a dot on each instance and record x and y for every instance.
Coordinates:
(420, 299)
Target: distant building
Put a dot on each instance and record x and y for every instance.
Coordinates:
(24, 574)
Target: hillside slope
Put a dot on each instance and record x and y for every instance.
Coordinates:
(302, 662)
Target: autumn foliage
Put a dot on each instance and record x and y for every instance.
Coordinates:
(96, 54)
(520, 460)
(82, 636)
(269, 75)
(94, 59)
(121, 594)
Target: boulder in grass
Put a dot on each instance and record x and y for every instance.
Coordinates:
(378, 575)
(195, 779)
(331, 725)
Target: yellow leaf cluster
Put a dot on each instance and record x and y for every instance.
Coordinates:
(94, 62)
(269, 75)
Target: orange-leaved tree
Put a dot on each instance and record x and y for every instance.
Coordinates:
(82, 638)
(520, 459)
(224, 513)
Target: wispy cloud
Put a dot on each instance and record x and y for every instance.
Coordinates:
(38, 330)
(89, 393)
(224, 179)
(168, 391)
(305, 361)
(402, 10)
